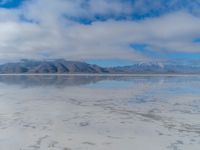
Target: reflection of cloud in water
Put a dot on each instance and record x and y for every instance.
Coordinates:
(99, 112)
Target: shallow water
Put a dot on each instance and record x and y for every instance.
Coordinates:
(99, 113)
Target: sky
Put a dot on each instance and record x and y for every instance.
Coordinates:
(104, 32)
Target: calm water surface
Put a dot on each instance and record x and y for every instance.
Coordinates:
(99, 113)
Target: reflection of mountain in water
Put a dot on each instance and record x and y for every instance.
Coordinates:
(55, 80)
(47, 80)
(71, 80)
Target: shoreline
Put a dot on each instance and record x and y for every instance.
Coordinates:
(98, 74)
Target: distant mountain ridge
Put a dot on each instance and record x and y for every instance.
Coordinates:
(158, 68)
(61, 66)
(53, 66)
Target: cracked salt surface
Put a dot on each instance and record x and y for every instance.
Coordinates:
(79, 113)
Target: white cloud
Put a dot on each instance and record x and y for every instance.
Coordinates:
(47, 31)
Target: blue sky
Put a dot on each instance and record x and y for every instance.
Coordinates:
(104, 32)
(10, 4)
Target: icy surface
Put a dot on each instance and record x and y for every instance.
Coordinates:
(99, 113)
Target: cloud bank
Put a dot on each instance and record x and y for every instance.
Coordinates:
(98, 29)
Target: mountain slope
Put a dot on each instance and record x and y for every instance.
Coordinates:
(55, 66)
(61, 66)
(157, 68)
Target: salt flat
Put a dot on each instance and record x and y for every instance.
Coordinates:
(99, 112)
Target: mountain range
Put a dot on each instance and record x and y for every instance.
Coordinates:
(61, 66)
